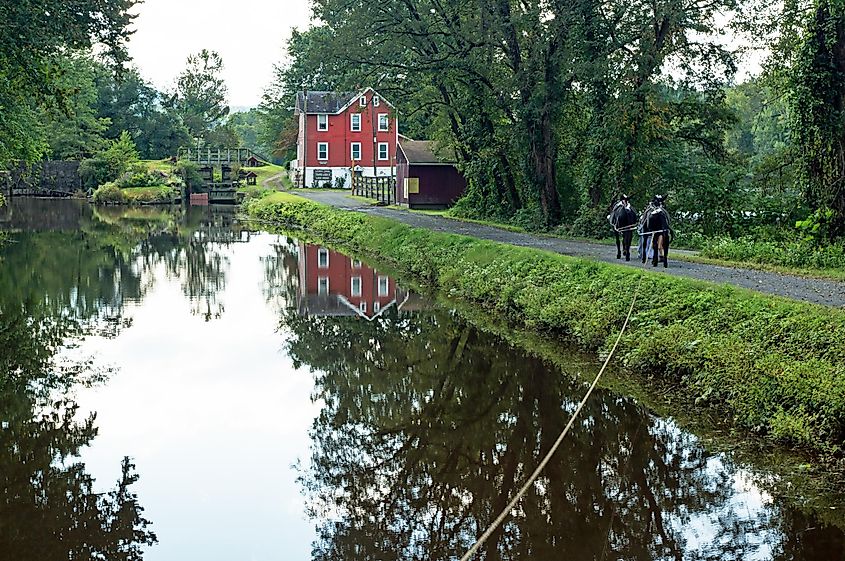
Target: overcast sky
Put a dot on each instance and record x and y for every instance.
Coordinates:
(250, 35)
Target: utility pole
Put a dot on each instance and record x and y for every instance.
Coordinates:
(304, 110)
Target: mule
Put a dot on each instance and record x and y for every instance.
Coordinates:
(623, 219)
(656, 226)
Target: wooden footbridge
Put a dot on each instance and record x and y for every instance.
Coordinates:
(211, 156)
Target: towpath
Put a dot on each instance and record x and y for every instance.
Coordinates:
(817, 291)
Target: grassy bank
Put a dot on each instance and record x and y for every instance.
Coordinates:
(776, 366)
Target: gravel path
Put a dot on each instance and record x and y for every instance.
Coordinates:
(817, 291)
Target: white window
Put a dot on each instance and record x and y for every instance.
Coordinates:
(355, 122)
(382, 151)
(356, 286)
(323, 258)
(323, 285)
(322, 122)
(383, 285)
(356, 151)
(322, 150)
(383, 122)
(356, 263)
(376, 307)
(363, 307)
(362, 101)
(376, 101)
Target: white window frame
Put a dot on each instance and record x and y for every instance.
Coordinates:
(326, 146)
(363, 307)
(322, 285)
(355, 291)
(376, 307)
(362, 101)
(356, 263)
(386, 118)
(376, 101)
(384, 282)
(325, 126)
(352, 122)
(322, 258)
(352, 146)
(386, 146)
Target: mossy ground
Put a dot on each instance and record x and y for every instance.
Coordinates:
(777, 367)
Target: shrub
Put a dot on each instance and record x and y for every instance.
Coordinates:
(109, 193)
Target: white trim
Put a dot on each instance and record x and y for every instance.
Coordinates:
(322, 159)
(356, 263)
(352, 151)
(376, 100)
(386, 290)
(326, 116)
(322, 252)
(320, 285)
(386, 122)
(363, 307)
(352, 122)
(362, 99)
(386, 151)
(352, 291)
(358, 96)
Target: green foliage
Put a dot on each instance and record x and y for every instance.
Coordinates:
(108, 193)
(200, 95)
(189, 172)
(766, 361)
(33, 38)
(817, 97)
(109, 164)
(800, 254)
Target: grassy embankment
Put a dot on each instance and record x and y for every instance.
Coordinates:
(147, 182)
(776, 367)
(271, 178)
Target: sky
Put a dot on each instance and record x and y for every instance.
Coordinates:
(250, 35)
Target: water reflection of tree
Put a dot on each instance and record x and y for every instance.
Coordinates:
(281, 274)
(49, 509)
(430, 426)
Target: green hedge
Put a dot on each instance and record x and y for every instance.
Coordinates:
(776, 366)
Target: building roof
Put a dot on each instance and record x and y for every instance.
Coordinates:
(426, 152)
(329, 102)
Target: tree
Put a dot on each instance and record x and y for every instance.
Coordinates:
(200, 94)
(817, 98)
(33, 37)
(131, 104)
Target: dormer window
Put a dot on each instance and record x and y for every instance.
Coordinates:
(376, 101)
(362, 101)
(322, 122)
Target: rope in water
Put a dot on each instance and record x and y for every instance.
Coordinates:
(504, 514)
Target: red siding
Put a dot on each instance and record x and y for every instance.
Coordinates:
(340, 273)
(340, 136)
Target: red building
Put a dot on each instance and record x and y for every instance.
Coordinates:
(341, 133)
(332, 284)
(426, 177)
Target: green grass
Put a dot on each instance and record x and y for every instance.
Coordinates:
(773, 366)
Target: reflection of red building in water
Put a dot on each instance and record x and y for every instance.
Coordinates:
(332, 284)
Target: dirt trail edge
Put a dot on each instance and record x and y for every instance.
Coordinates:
(816, 291)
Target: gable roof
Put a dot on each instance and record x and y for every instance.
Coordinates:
(330, 102)
(426, 152)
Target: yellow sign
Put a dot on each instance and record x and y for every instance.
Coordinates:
(413, 185)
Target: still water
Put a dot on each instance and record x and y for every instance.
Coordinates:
(174, 386)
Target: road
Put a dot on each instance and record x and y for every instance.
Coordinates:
(816, 291)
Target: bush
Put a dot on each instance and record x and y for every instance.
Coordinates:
(803, 254)
(109, 193)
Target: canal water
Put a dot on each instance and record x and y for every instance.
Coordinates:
(175, 385)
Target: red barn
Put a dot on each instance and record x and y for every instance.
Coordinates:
(426, 176)
(344, 132)
(332, 284)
